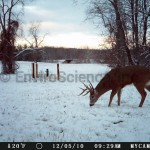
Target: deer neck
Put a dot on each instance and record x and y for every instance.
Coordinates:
(100, 89)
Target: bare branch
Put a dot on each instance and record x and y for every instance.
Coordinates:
(34, 33)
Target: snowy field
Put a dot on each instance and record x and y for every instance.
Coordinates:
(52, 111)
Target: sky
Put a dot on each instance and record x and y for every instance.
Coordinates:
(63, 22)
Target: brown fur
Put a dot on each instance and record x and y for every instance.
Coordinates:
(118, 78)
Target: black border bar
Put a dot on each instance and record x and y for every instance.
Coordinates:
(73, 145)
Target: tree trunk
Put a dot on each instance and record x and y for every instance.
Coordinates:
(8, 63)
(120, 36)
(133, 21)
(145, 19)
(145, 31)
(137, 32)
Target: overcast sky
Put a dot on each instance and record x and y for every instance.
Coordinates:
(64, 23)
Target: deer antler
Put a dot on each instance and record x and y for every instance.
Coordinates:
(91, 86)
(83, 90)
(88, 89)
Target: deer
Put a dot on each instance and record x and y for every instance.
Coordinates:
(116, 79)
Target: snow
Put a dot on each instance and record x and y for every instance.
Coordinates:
(52, 111)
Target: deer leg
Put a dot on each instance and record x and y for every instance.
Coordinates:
(142, 92)
(119, 96)
(112, 95)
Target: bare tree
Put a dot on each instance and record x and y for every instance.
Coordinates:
(9, 24)
(109, 12)
(127, 25)
(34, 33)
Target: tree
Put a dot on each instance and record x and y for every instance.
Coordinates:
(127, 23)
(34, 33)
(9, 24)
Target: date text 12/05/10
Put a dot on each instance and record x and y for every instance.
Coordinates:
(68, 146)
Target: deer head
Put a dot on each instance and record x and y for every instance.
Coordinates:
(90, 89)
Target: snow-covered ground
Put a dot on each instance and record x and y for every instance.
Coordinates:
(52, 111)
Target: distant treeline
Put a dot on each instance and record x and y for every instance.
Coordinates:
(46, 54)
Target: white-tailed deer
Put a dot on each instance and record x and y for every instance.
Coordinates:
(117, 79)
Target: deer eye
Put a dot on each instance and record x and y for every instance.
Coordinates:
(92, 96)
